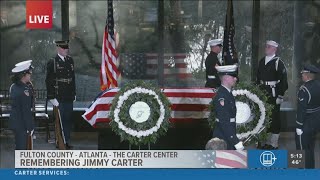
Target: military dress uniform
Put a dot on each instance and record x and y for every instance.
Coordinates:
(272, 77)
(225, 111)
(60, 82)
(212, 79)
(21, 119)
(308, 116)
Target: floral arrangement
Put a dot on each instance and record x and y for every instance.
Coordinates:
(252, 121)
(140, 113)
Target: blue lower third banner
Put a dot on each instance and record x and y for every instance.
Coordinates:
(267, 159)
(155, 174)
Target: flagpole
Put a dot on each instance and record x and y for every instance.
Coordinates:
(161, 43)
(65, 19)
(255, 38)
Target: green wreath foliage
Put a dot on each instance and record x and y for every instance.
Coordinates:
(125, 118)
(254, 110)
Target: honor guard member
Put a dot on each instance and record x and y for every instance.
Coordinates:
(21, 121)
(61, 88)
(272, 77)
(212, 61)
(30, 85)
(308, 113)
(225, 108)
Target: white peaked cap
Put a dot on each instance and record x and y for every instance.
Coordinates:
(24, 62)
(272, 43)
(22, 66)
(228, 68)
(215, 42)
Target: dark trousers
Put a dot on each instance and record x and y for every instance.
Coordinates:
(307, 139)
(213, 83)
(20, 139)
(66, 109)
(275, 125)
(306, 142)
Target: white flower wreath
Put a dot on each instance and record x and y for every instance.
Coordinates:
(133, 132)
(262, 108)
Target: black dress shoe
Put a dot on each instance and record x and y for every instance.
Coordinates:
(69, 147)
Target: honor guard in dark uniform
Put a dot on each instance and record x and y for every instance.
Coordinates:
(225, 108)
(61, 88)
(272, 77)
(21, 119)
(308, 113)
(212, 61)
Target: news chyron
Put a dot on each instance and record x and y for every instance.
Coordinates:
(252, 159)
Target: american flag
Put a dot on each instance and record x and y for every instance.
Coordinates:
(145, 66)
(186, 104)
(133, 65)
(222, 158)
(109, 71)
(229, 52)
(174, 65)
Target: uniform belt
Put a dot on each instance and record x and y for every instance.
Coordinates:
(65, 80)
(231, 120)
(211, 77)
(269, 83)
(309, 111)
(272, 85)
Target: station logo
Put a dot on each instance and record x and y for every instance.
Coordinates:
(38, 14)
(267, 158)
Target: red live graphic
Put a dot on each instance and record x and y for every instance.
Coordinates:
(39, 14)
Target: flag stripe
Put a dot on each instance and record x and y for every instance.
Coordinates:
(230, 155)
(109, 71)
(187, 107)
(167, 66)
(186, 104)
(230, 159)
(239, 153)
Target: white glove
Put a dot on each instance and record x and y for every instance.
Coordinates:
(239, 146)
(299, 131)
(31, 132)
(54, 102)
(75, 99)
(279, 100)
